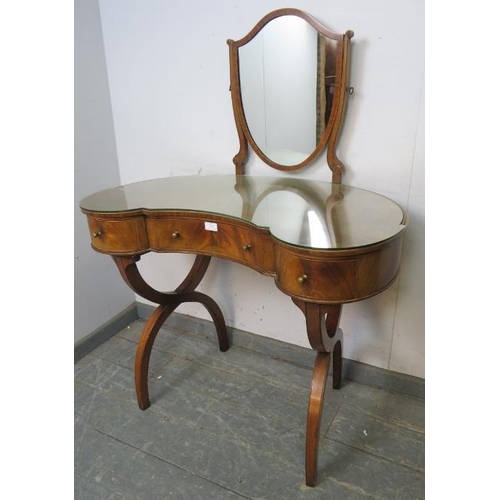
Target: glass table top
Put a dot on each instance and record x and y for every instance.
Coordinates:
(301, 212)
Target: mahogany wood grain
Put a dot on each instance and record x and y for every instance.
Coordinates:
(327, 280)
(324, 336)
(343, 68)
(168, 302)
(321, 323)
(152, 327)
(377, 268)
(319, 282)
(143, 353)
(234, 241)
(118, 235)
(316, 398)
(338, 276)
(131, 275)
(332, 276)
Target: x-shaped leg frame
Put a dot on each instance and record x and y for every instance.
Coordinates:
(167, 303)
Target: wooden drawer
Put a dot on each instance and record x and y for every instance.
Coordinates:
(118, 236)
(314, 279)
(377, 270)
(219, 239)
(344, 276)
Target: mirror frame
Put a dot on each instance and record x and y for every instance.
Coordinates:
(333, 126)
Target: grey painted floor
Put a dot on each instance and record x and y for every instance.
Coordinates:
(231, 426)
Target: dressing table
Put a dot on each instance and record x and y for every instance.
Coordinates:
(324, 243)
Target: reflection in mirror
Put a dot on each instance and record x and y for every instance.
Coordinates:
(289, 87)
(287, 77)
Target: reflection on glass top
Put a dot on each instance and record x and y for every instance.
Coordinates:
(302, 212)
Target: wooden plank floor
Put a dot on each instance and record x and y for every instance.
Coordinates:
(231, 426)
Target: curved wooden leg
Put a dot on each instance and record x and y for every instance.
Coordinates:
(216, 314)
(168, 302)
(143, 353)
(131, 275)
(151, 329)
(322, 322)
(318, 384)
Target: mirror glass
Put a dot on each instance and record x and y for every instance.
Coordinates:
(287, 78)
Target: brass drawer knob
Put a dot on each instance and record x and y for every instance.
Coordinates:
(175, 234)
(247, 247)
(97, 234)
(302, 279)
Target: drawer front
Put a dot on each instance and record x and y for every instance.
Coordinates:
(219, 239)
(118, 236)
(378, 270)
(318, 280)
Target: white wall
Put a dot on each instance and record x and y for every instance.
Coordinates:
(99, 290)
(168, 73)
